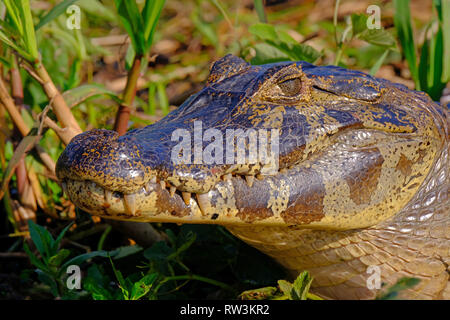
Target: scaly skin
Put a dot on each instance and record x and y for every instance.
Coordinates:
(362, 177)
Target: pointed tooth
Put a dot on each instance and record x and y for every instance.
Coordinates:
(108, 196)
(153, 180)
(203, 202)
(250, 180)
(64, 187)
(148, 187)
(129, 201)
(172, 190)
(163, 184)
(186, 197)
(227, 177)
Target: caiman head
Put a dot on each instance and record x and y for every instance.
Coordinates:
(281, 144)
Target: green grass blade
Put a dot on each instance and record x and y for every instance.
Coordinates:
(132, 21)
(423, 65)
(54, 13)
(259, 7)
(150, 15)
(14, 15)
(379, 63)
(28, 29)
(443, 9)
(402, 22)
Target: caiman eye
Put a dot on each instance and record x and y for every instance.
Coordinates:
(291, 87)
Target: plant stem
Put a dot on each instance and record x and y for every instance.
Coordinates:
(60, 108)
(194, 277)
(123, 114)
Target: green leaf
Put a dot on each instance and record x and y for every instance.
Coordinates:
(301, 286)
(34, 260)
(75, 96)
(124, 285)
(57, 259)
(132, 21)
(264, 31)
(159, 251)
(28, 29)
(83, 257)
(379, 37)
(42, 239)
(126, 251)
(151, 13)
(143, 286)
(60, 236)
(265, 53)
(285, 287)
(54, 13)
(359, 23)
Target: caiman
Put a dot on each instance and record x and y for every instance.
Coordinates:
(359, 188)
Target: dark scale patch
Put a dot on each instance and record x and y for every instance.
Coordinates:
(175, 205)
(306, 198)
(252, 208)
(404, 165)
(364, 179)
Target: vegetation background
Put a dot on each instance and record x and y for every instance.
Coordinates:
(73, 65)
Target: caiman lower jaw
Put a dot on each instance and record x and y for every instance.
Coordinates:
(159, 201)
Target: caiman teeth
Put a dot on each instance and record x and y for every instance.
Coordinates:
(203, 202)
(163, 184)
(153, 180)
(172, 191)
(108, 196)
(227, 177)
(129, 201)
(64, 187)
(186, 197)
(249, 180)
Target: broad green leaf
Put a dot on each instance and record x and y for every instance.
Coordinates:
(285, 287)
(142, 287)
(265, 53)
(379, 37)
(42, 239)
(301, 286)
(359, 23)
(264, 31)
(54, 12)
(58, 258)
